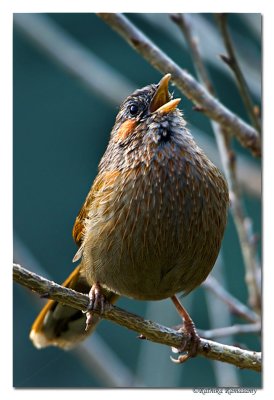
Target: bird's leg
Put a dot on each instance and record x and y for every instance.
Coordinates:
(97, 299)
(189, 329)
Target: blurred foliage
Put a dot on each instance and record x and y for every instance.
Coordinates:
(60, 133)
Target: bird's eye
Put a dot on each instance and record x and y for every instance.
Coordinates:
(133, 109)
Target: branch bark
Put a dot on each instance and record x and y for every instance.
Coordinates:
(205, 102)
(151, 330)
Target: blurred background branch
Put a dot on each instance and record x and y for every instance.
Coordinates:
(73, 57)
(234, 304)
(231, 330)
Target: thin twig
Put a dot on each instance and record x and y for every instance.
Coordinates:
(234, 304)
(249, 173)
(228, 157)
(246, 238)
(230, 330)
(242, 221)
(183, 23)
(207, 103)
(231, 60)
(151, 330)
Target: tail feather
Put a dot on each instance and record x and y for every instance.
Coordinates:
(63, 326)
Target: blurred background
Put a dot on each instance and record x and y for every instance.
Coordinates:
(71, 71)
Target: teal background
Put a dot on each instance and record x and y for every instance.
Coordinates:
(60, 132)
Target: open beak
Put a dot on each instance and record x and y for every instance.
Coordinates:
(160, 101)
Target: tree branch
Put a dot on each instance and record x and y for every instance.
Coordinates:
(151, 330)
(207, 103)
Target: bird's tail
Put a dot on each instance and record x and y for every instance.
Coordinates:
(63, 326)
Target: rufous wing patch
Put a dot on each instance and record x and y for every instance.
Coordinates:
(125, 129)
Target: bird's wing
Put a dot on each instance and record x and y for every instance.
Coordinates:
(103, 184)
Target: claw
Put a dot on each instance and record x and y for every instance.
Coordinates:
(97, 300)
(89, 318)
(175, 350)
(181, 359)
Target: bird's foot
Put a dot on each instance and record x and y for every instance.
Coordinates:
(191, 339)
(97, 300)
(190, 344)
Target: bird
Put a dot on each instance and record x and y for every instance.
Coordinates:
(152, 224)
